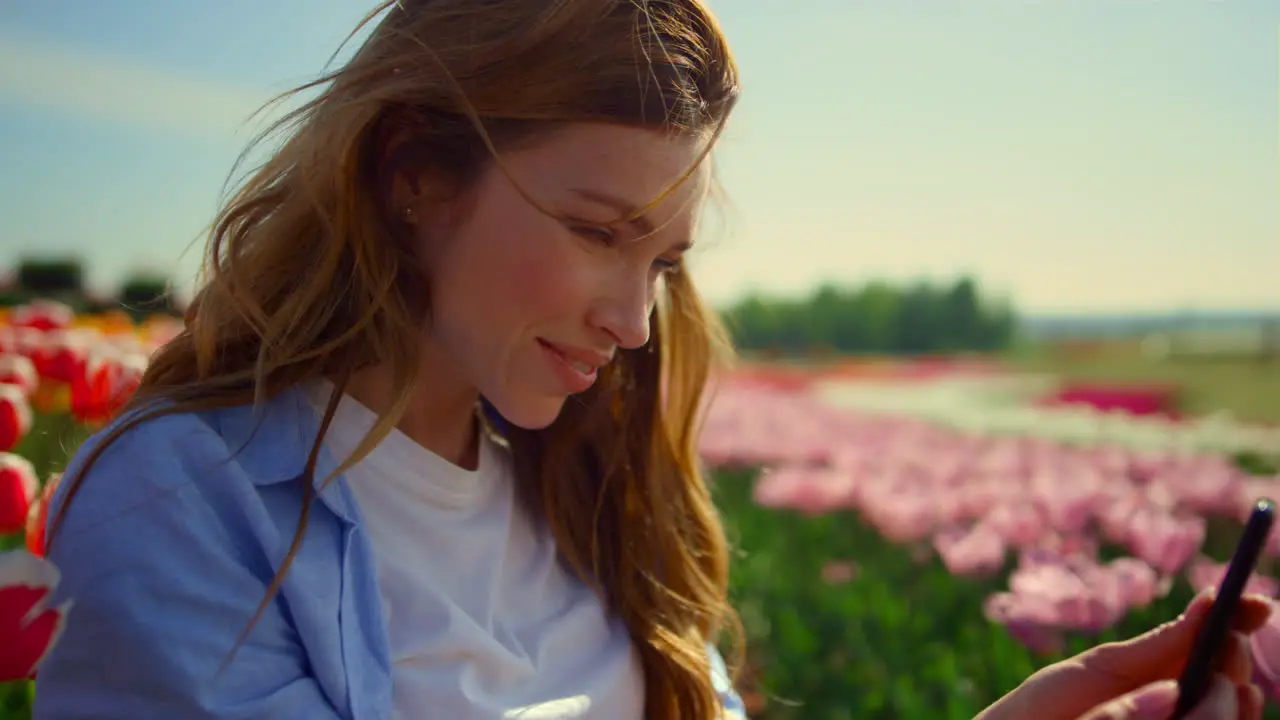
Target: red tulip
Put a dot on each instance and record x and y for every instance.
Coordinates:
(60, 354)
(18, 489)
(19, 340)
(38, 516)
(18, 370)
(43, 315)
(28, 627)
(15, 416)
(104, 383)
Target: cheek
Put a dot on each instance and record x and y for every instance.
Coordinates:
(499, 281)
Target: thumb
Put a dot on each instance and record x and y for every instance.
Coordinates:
(1150, 702)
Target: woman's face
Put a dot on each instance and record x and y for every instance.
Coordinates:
(526, 307)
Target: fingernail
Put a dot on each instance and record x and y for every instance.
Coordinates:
(1156, 700)
(1262, 600)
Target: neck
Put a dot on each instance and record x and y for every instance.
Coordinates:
(441, 416)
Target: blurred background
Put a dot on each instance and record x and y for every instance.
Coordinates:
(1005, 276)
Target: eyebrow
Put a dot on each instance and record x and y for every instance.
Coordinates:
(625, 208)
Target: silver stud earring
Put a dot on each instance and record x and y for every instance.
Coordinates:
(408, 215)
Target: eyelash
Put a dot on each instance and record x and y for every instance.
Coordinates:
(597, 234)
(668, 267)
(607, 237)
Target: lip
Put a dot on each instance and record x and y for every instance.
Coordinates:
(592, 358)
(565, 360)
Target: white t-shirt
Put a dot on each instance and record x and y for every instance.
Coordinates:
(484, 620)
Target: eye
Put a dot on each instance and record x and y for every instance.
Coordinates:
(594, 233)
(667, 267)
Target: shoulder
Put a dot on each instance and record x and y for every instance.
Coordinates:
(172, 494)
(125, 467)
(148, 457)
(166, 549)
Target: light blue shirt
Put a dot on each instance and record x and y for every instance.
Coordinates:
(169, 548)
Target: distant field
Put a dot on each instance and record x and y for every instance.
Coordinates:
(1248, 388)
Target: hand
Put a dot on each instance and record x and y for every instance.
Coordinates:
(1224, 701)
(1135, 678)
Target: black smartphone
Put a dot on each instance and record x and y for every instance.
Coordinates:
(1194, 682)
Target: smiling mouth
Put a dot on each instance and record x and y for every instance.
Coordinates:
(582, 367)
(576, 374)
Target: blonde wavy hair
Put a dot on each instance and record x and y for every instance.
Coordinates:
(309, 273)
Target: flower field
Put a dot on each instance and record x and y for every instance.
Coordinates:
(906, 560)
(913, 539)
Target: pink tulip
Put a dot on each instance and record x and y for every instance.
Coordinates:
(811, 491)
(1023, 620)
(1204, 572)
(1063, 597)
(900, 515)
(1130, 583)
(1163, 540)
(1051, 593)
(839, 572)
(1020, 524)
(975, 552)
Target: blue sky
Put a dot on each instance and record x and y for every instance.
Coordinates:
(1076, 155)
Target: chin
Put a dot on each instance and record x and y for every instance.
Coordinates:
(528, 413)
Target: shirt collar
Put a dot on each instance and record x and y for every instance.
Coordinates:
(272, 441)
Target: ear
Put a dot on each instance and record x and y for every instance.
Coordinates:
(398, 166)
(404, 179)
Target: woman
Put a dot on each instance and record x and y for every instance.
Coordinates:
(426, 447)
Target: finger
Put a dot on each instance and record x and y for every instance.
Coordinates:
(1157, 654)
(1237, 659)
(1152, 702)
(1251, 614)
(1220, 703)
(1250, 699)
(1077, 685)
(1161, 652)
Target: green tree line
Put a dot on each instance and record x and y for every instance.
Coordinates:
(878, 317)
(62, 279)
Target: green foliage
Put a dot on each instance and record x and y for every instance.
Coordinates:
(53, 277)
(12, 297)
(875, 318)
(144, 295)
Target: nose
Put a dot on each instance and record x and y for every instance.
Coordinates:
(623, 312)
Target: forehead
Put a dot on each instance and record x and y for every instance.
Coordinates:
(634, 164)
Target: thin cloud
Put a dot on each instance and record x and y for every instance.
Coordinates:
(35, 72)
